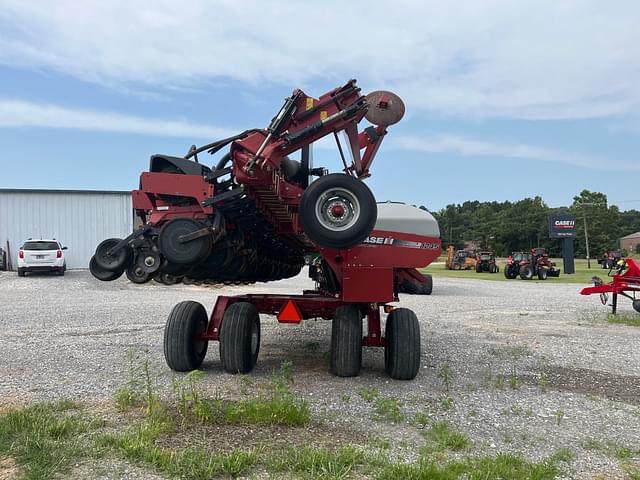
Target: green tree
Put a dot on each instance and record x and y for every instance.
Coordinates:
(602, 220)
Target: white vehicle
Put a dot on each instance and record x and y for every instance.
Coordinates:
(41, 256)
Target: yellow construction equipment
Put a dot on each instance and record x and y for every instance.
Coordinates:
(459, 259)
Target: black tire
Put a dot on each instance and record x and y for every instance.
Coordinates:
(240, 338)
(182, 351)
(410, 288)
(513, 270)
(427, 286)
(526, 272)
(323, 226)
(457, 266)
(136, 274)
(118, 261)
(21, 272)
(636, 305)
(346, 341)
(167, 278)
(542, 274)
(183, 253)
(402, 352)
(101, 273)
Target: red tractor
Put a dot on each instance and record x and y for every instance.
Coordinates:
(486, 262)
(254, 217)
(512, 268)
(527, 266)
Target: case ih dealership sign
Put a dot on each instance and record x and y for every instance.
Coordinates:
(562, 226)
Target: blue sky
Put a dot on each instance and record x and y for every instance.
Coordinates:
(505, 99)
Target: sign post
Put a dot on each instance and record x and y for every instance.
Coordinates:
(564, 227)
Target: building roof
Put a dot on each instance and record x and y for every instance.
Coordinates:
(633, 235)
(53, 190)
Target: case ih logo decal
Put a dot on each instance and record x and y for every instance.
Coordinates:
(565, 223)
(379, 240)
(562, 226)
(401, 243)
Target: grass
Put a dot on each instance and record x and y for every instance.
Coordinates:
(624, 319)
(320, 463)
(388, 409)
(441, 437)
(504, 466)
(368, 394)
(46, 439)
(582, 276)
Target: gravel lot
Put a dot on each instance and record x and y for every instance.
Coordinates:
(576, 377)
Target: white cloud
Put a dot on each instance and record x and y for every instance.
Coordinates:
(16, 113)
(469, 147)
(496, 58)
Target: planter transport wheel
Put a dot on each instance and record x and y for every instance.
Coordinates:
(402, 352)
(346, 341)
(101, 273)
(182, 351)
(240, 338)
(108, 261)
(338, 211)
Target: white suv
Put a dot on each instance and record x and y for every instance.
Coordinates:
(41, 256)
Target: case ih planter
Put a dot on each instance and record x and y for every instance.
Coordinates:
(625, 282)
(256, 215)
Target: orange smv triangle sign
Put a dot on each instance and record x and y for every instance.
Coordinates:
(290, 313)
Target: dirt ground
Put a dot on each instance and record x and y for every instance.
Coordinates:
(518, 367)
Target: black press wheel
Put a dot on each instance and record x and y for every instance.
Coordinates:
(338, 211)
(526, 272)
(116, 261)
(100, 273)
(240, 338)
(136, 274)
(636, 305)
(182, 350)
(346, 341)
(402, 352)
(167, 278)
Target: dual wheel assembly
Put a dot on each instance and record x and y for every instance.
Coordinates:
(184, 350)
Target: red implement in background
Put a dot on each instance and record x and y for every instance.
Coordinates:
(625, 280)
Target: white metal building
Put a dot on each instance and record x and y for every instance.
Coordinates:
(79, 219)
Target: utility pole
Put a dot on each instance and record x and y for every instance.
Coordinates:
(586, 234)
(586, 238)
